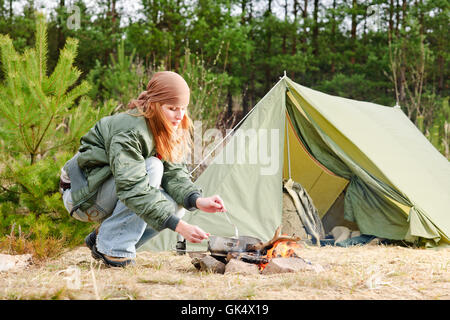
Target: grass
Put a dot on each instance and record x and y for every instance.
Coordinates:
(367, 273)
(40, 247)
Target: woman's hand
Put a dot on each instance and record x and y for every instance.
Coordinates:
(211, 204)
(190, 232)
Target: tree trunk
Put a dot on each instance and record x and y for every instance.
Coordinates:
(178, 44)
(113, 13)
(245, 101)
(244, 64)
(353, 29)
(442, 42)
(391, 19)
(268, 67)
(267, 72)
(421, 21)
(284, 46)
(404, 13)
(229, 103)
(365, 23)
(305, 25)
(397, 19)
(402, 69)
(315, 33)
(251, 93)
(333, 37)
(294, 33)
(441, 64)
(243, 11)
(114, 20)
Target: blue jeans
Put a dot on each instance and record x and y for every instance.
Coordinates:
(121, 233)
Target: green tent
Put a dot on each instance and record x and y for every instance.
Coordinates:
(365, 161)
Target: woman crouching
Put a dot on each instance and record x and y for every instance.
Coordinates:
(129, 174)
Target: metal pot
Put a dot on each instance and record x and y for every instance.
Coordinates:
(218, 245)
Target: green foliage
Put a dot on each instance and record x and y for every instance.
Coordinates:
(32, 205)
(347, 86)
(122, 80)
(207, 89)
(440, 127)
(35, 106)
(317, 43)
(43, 118)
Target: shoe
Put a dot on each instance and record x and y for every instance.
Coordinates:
(91, 240)
(117, 261)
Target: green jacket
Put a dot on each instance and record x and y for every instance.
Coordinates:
(119, 145)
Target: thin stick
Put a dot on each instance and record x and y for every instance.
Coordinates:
(94, 282)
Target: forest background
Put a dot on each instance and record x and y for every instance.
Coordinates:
(85, 59)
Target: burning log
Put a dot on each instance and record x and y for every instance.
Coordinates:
(281, 249)
(261, 247)
(249, 257)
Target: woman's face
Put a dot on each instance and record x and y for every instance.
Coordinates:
(174, 114)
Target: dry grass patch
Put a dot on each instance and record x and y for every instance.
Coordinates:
(368, 272)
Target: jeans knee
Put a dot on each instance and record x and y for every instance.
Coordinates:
(155, 171)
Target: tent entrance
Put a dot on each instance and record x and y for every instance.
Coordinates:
(364, 202)
(322, 185)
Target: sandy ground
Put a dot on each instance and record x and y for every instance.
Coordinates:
(369, 272)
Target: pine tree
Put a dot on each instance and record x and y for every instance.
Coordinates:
(42, 117)
(123, 79)
(38, 110)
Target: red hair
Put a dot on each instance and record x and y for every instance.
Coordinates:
(171, 144)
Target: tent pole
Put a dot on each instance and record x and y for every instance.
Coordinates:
(288, 149)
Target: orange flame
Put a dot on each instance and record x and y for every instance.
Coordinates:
(281, 249)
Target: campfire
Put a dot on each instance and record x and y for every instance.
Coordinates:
(251, 255)
(281, 249)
